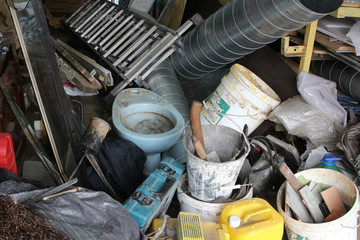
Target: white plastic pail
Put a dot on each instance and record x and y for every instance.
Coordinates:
(241, 98)
(344, 227)
(209, 212)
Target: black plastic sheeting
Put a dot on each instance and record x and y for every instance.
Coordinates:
(83, 215)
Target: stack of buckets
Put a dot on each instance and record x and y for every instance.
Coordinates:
(200, 190)
(241, 98)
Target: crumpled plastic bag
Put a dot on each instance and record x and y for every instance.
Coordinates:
(305, 121)
(354, 35)
(322, 94)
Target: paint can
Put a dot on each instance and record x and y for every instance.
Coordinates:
(205, 178)
(241, 98)
(208, 211)
(344, 227)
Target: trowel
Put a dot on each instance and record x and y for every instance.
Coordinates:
(197, 138)
(94, 135)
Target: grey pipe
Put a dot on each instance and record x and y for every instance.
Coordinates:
(163, 81)
(346, 77)
(241, 27)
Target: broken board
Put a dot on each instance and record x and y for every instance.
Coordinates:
(294, 201)
(333, 200)
(312, 204)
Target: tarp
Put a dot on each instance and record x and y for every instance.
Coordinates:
(82, 215)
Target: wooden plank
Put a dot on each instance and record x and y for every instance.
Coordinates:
(311, 204)
(337, 46)
(333, 200)
(312, 184)
(174, 17)
(324, 40)
(294, 201)
(290, 177)
(287, 210)
(316, 192)
(350, 5)
(334, 215)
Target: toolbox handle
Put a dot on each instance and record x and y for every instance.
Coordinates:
(170, 181)
(256, 212)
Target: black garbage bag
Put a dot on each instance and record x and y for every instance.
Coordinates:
(122, 162)
(84, 215)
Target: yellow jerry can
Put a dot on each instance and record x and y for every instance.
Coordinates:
(252, 219)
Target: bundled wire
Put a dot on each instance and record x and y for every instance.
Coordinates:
(271, 150)
(349, 103)
(16, 222)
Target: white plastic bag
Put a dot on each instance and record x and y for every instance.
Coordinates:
(321, 94)
(305, 121)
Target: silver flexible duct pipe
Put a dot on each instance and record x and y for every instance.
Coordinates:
(163, 81)
(241, 27)
(346, 77)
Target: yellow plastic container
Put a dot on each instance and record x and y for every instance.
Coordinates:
(210, 230)
(252, 219)
(213, 231)
(189, 227)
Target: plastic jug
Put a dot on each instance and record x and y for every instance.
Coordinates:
(328, 162)
(252, 219)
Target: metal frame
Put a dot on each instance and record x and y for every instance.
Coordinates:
(129, 42)
(63, 127)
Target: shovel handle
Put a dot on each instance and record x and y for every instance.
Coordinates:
(195, 121)
(199, 149)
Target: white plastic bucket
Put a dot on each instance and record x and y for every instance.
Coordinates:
(241, 98)
(209, 212)
(344, 227)
(205, 178)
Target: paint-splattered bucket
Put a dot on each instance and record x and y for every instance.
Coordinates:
(241, 98)
(205, 178)
(344, 227)
(208, 211)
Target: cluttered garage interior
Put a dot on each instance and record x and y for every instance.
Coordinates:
(179, 119)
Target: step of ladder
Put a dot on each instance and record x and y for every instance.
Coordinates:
(132, 44)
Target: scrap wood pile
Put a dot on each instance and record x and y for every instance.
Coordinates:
(313, 202)
(16, 222)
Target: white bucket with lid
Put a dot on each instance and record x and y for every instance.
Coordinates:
(241, 98)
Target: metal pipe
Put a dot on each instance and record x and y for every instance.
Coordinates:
(241, 27)
(346, 77)
(163, 81)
